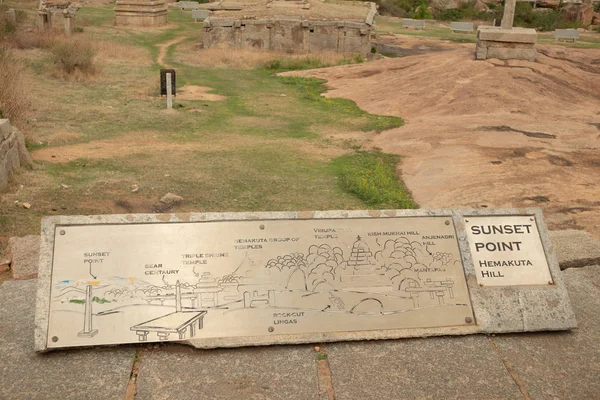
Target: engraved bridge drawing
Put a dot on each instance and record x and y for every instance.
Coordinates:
(159, 282)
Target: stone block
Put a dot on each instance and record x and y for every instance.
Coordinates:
(514, 35)
(572, 358)
(5, 129)
(432, 368)
(95, 374)
(282, 372)
(575, 248)
(504, 50)
(24, 253)
(141, 12)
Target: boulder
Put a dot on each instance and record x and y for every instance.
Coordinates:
(481, 6)
(24, 254)
(443, 4)
(582, 13)
(596, 19)
(171, 199)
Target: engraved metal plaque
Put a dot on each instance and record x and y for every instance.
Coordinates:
(507, 251)
(122, 283)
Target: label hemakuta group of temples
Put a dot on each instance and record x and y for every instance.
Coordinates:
(238, 279)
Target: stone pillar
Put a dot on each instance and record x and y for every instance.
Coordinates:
(68, 18)
(88, 331)
(170, 106)
(509, 14)
(11, 16)
(43, 19)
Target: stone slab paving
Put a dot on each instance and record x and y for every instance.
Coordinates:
(24, 253)
(431, 368)
(562, 365)
(96, 374)
(575, 248)
(180, 372)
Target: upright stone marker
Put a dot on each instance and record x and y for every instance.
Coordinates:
(11, 16)
(239, 279)
(169, 92)
(509, 14)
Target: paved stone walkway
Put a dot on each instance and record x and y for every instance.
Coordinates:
(557, 365)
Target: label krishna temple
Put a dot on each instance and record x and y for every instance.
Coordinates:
(238, 279)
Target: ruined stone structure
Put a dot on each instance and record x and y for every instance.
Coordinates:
(141, 12)
(506, 42)
(294, 26)
(54, 13)
(13, 153)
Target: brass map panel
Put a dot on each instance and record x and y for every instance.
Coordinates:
(124, 283)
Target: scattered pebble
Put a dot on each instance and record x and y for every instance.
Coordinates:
(26, 205)
(62, 185)
(171, 198)
(135, 188)
(317, 348)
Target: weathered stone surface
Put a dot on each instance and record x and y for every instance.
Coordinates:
(177, 372)
(5, 129)
(582, 13)
(141, 12)
(571, 358)
(506, 44)
(13, 152)
(514, 35)
(24, 253)
(434, 368)
(575, 248)
(78, 374)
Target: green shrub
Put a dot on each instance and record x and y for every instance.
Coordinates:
(422, 11)
(451, 15)
(372, 177)
(74, 56)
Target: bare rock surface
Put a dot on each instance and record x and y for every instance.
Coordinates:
(488, 133)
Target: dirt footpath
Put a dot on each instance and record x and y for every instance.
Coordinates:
(489, 133)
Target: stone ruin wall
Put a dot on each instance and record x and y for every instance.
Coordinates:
(13, 153)
(288, 35)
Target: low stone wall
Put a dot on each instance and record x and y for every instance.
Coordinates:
(288, 35)
(13, 153)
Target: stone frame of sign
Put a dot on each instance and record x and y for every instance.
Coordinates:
(496, 309)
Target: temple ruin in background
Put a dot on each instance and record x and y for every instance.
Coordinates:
(292, 26)
(141, 12)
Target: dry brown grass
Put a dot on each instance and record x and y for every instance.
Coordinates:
(110, 52)
(247, 58)
(34, 39)
(14, 98)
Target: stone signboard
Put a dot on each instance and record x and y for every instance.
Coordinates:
(507, 251)
(245, 279)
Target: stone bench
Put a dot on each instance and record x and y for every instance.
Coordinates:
(188, 5)
(461, 27)
(200, 15)
(413, 23)
(566, 34)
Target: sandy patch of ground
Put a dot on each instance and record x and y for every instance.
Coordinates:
(191, 92)
(149, 143)
(489, 133)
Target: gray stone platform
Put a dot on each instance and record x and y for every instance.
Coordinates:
(558, 365)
